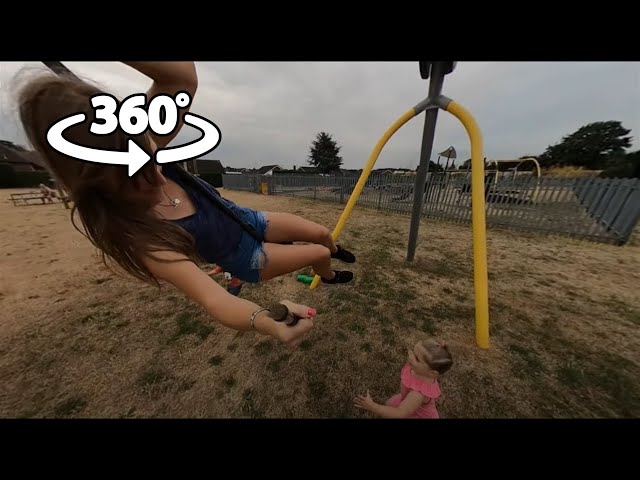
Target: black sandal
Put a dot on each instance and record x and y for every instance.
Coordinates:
(342, 276)
(345, 255)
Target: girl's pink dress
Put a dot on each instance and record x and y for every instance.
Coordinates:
(408, 382)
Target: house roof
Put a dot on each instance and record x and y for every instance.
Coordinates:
(206, 165)
(267, 168)
(12, 155)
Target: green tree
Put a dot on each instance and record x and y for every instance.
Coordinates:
(324, 154)
(467, 164)
(627, 166)
(592, 146)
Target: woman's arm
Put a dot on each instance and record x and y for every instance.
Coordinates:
(169, 78)
(227, 309)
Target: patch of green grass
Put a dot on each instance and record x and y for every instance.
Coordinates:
(153, 376)
(276, 365)
(528, 364)
(569, 375)
(341, 336)
(405, 295)
(375, 317)
(370, 310)
(446, 268)
(187, 325)
(29, 413)
(70, 406)
(344, 309)
(461, 298)
(317, 389)
(249, 405)
(101, 320)
(624, 310)
(264, 347)
(340, 296)
(451, 311)
(146, 295)
(185, 385)
(428, 326)
(634, 317)
(606, 379)
(358, 328)
(215, 360)
(387, 294)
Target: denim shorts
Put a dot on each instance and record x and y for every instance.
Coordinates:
(249, 258)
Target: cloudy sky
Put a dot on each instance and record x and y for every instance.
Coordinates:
(269, 112)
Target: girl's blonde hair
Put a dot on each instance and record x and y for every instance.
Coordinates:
(438, 356)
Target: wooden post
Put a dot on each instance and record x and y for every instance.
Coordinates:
(62, 194)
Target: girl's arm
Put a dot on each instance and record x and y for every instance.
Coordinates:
(409, 405)
(169, 78)
(229, 310)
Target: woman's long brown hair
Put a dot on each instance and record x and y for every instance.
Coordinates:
(124, 233)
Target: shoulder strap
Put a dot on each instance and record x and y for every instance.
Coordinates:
(200, 185)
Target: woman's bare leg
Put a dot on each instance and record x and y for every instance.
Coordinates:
(283, 259)
(286, 227)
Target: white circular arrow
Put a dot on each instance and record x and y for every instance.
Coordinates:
(209, 141)
(135, 157)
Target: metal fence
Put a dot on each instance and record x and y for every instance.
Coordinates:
(597, 209)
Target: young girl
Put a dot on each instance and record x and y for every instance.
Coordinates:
(161, 223)
(419, 387)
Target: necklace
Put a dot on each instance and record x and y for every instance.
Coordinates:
(173, 201)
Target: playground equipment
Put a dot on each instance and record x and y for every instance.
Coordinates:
(435, 101)
(503, 182)
(449, 154)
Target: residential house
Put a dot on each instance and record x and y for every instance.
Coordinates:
(209, 170)
(309, 170)
(20, 160)
(269, 169)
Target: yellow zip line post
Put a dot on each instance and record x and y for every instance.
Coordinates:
(480, 273)
(408, 115)
(437, 70)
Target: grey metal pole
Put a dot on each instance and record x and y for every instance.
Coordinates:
(431, 116)
(60, 69)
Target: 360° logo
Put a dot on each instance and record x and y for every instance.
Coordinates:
(161, 117)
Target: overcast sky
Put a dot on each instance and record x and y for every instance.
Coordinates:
(269, 112)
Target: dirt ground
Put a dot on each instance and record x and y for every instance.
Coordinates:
(79, 341)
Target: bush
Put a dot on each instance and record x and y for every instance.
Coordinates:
(11, 179)
(624, 167)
